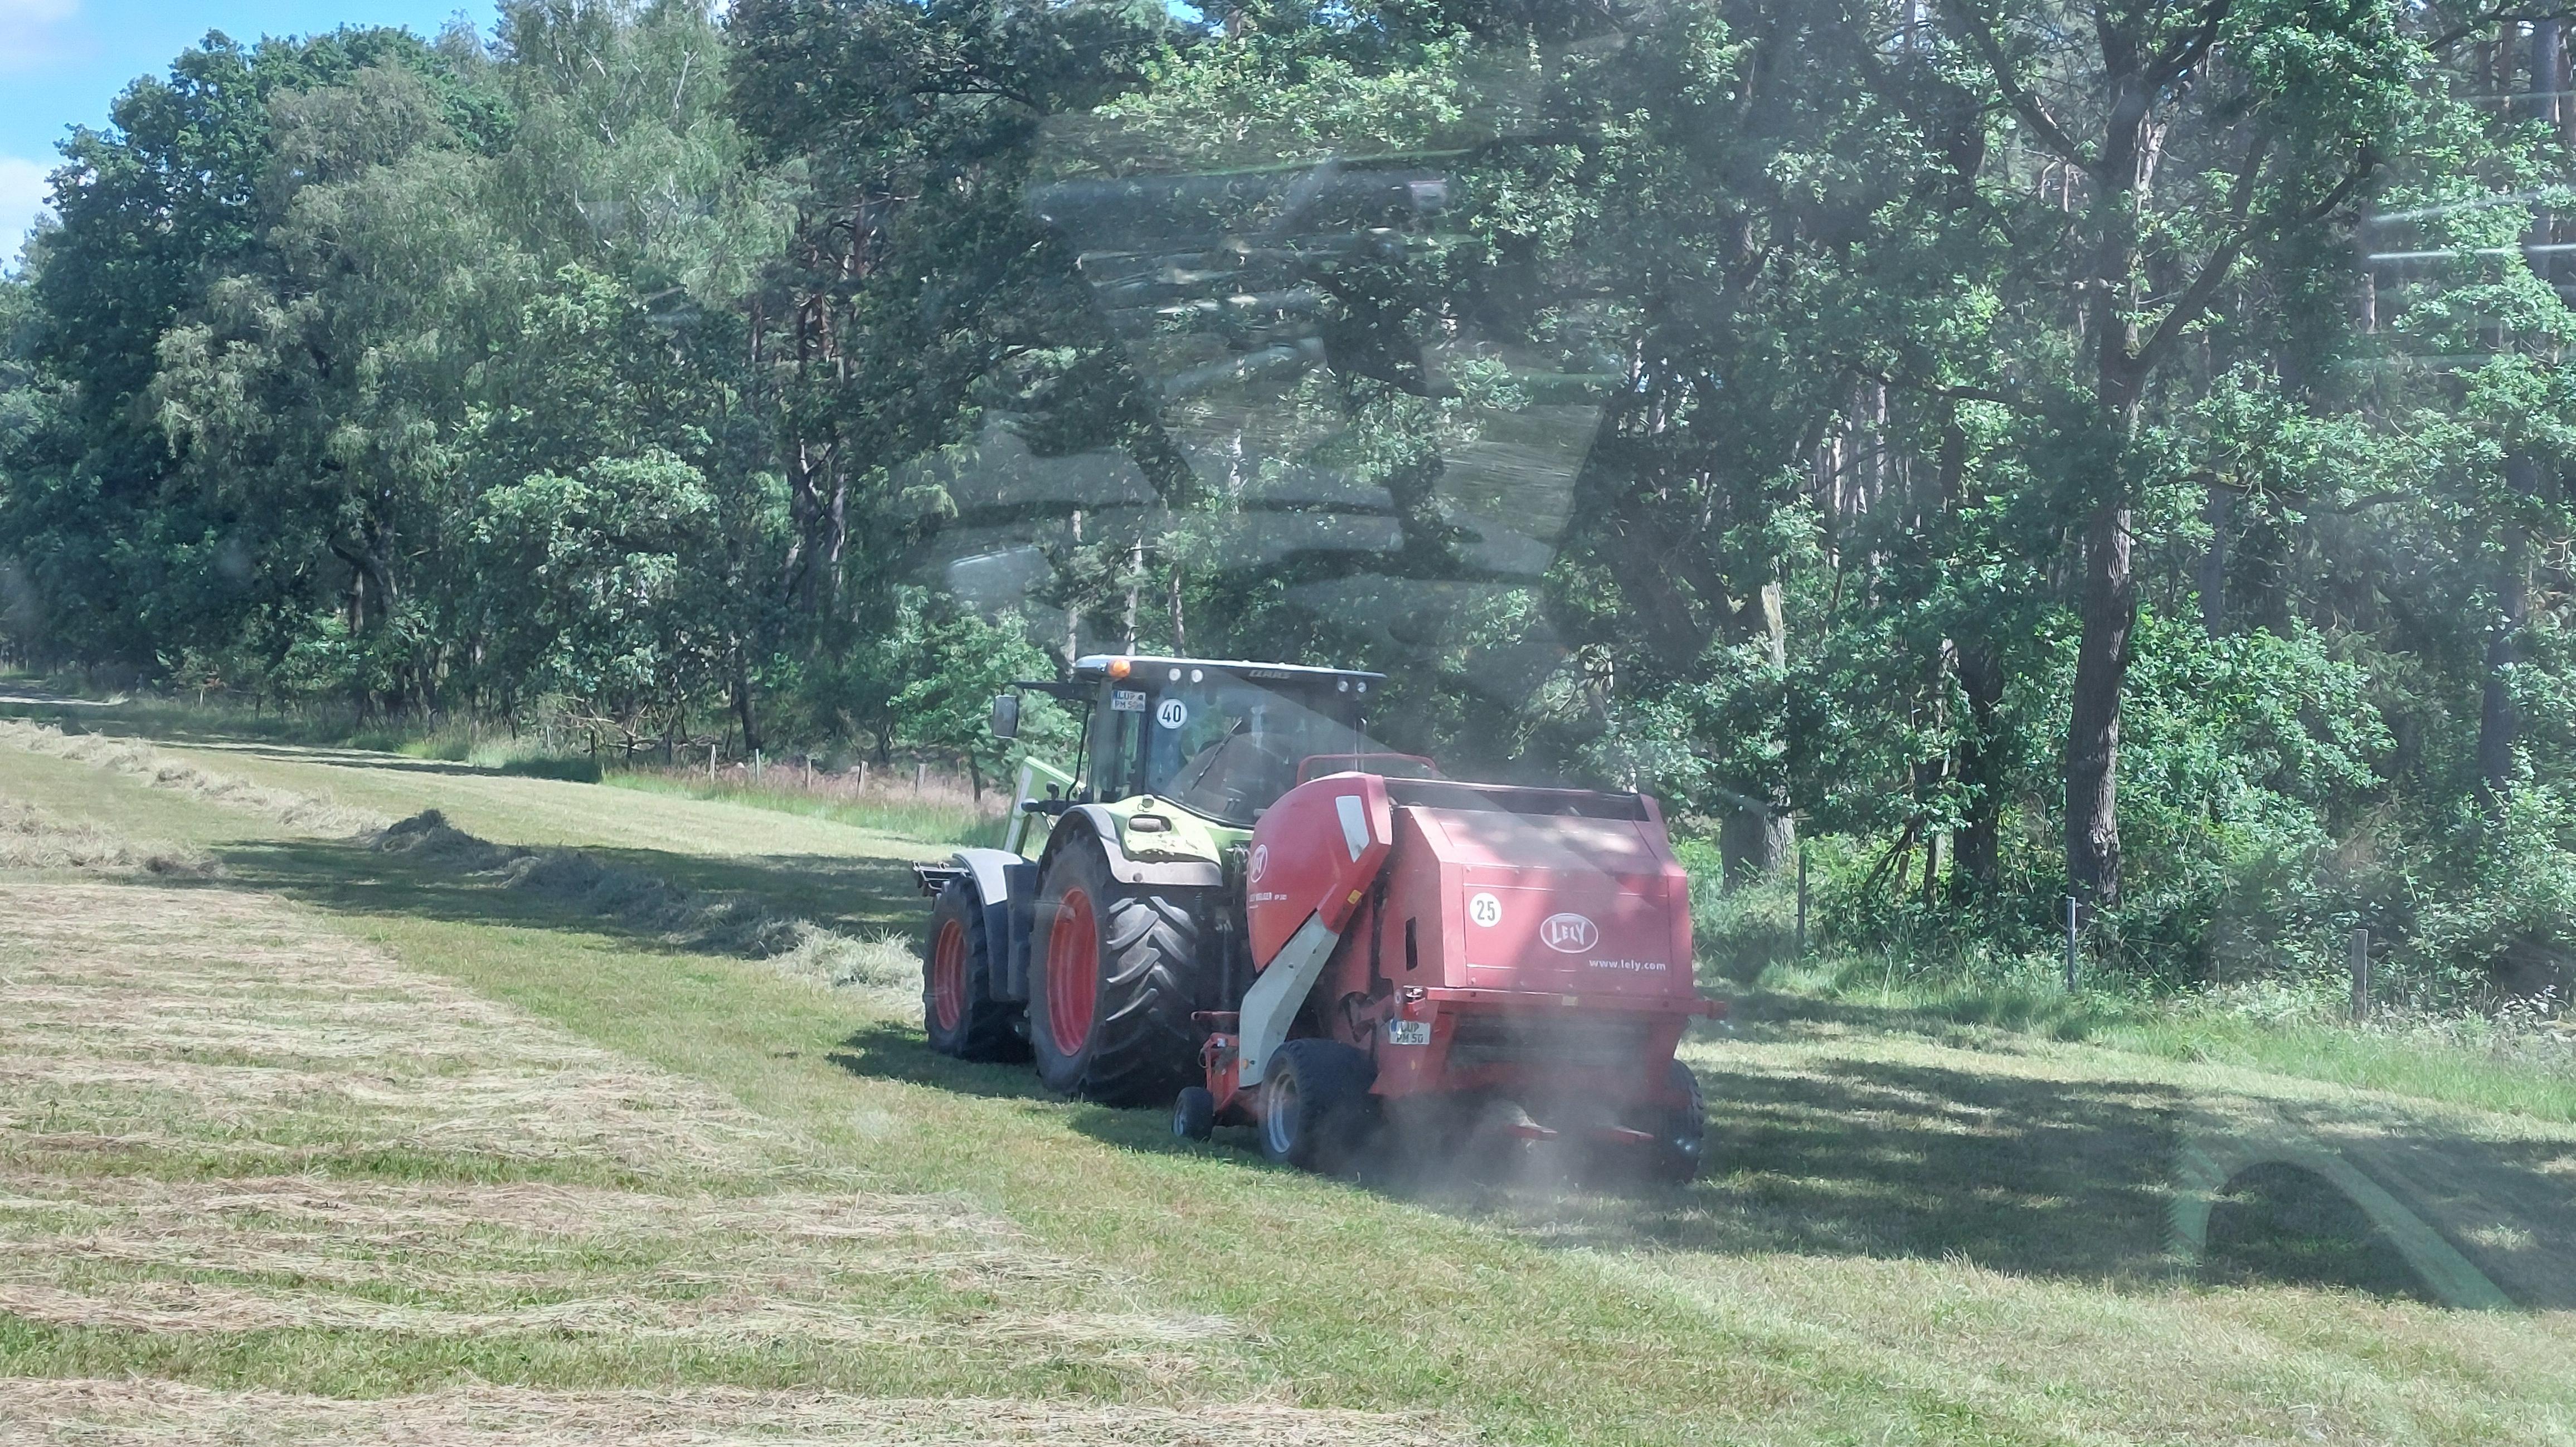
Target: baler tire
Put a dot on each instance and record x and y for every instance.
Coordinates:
(1678, 1145)
(1138, 1044)
(1315, 1103)
(1194, 1113)
(977, 1026)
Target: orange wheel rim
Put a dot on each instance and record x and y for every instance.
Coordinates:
(948, 976)
(1073, 972)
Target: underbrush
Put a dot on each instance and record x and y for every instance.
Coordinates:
(534, 755)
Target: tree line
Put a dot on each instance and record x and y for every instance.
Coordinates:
(2017, 450)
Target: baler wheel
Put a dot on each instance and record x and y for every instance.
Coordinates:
(958, 1011)
(1194, 1113)
(1685, 1129)
(1112, 981)
(1315, 1103)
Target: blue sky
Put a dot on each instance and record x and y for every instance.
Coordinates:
(63, 61)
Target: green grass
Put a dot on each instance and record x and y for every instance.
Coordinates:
(936, 820)
(1932, 1219)
(2452, 1062)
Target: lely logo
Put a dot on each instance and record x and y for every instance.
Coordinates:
(1260, 861)
(1568, 934)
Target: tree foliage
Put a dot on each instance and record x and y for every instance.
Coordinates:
(2112, 450)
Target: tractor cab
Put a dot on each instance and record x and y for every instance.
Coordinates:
(1221, 739)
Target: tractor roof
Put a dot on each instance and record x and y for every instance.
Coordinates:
(1098, 665)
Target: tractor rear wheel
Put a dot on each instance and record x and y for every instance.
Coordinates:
(1113, 977)
(958, 1009)
(1315, 1103)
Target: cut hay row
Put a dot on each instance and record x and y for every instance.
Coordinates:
(737, 1311)
(885, 970)
(93, 1413)
(151, 767)
(165, 1030)
(33, 838)
(175, 1016)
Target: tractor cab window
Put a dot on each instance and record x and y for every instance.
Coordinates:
(1224, 748)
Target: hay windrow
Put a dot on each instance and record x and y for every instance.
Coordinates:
(707, 919)
(886, 969)
(97, 1413)
(33, 838)
(216, 1026)
(170, 1018)
(154, 769)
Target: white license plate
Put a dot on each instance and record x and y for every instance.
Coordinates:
(1408, 1032)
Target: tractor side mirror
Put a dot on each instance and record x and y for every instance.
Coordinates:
(1006, 715)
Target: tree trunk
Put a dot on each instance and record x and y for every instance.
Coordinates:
(2498, 721)
(2219, 511)
(742, 708)
(1977, 852)
(1756, 839)
(2544, 70)
(1073, 608)
(1135, 578)
(2109, 612)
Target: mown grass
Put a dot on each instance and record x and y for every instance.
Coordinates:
(1912, 1235)
(1815, 1292)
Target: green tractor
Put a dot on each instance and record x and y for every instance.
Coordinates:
(1113, 914)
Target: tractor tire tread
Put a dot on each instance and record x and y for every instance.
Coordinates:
(1142, 1045)
(990, 1030)
(1147, 1048)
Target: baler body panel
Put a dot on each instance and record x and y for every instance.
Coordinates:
(1559, 904)
(1315, 852)
(1563, 904)
(1527, 945)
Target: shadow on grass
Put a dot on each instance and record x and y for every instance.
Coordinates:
(2038, 1177)
(2278, 1222)
(1987, 1019)
(2034, 1177)
(855, 896)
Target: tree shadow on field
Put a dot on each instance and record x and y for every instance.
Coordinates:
(853, 896)
(1868, 1158)
(2042, 1177)
(2071, 1179)
(2013, 1168)
(892, 1052)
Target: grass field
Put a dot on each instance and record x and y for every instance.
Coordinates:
(307, 1140)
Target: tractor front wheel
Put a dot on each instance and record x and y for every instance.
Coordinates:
(1113, 978)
